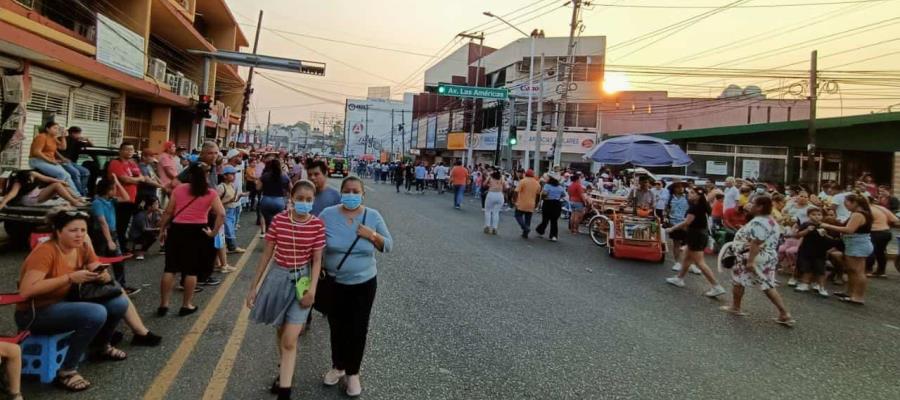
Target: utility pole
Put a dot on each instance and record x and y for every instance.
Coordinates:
(366, 144)
(392, 135)
(402, 134)
(811, 167)
(540, 123)
(268, 125)
(567, 79)
(469, 145)
(245, 106)
(499, 131)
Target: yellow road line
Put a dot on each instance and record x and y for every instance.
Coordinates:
(216, 388)
(163, 381)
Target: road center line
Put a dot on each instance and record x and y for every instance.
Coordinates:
(219, 381)
(163, 381)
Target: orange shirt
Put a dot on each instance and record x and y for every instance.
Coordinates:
(528, 190)
(44, 144)
(459, 175)
(48, 258)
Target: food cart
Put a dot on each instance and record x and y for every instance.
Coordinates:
(624, 234)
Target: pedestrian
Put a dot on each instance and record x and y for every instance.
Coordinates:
(283, 292)
(731, 194)
(755, 254)
(410, 176)
(527, 191)
(812, 253)
(326, 196)
(696, 237)
(459, 176)
(231, 200)
(493, 202)
(129, 175)
(105, 222)
(144, 227)
(855, 235)
(353, 269)
(661, 199)
(440, 175)
(71, 149)
(273, 184)
(190, 248)
(882, 221)
(167, 170)
(43, 156)
(551, 208)
(577, 202)
(208, 158)
(675, 212)
(421, 173)
(398, 175)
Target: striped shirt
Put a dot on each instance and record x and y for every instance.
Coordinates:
(295, 241)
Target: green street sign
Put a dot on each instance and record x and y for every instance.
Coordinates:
(473, 91)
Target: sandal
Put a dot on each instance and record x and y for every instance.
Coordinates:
(72, 382)
(785, 322)
(851, 301)
(732, 311)
(113, 354)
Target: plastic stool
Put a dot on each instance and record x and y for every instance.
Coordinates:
(42, 355)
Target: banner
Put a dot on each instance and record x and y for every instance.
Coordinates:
(367, 124)
(573, 142)
(456, 141)
(443, 128)
(422, 127)
(432, 132)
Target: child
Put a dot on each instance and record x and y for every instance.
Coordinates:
(145, 226)
(231, 200)
(718, 210)
(283, 292)
(103, 209)
(813, 252)
(11, 356)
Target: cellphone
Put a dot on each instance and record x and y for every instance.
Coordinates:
(100, 268)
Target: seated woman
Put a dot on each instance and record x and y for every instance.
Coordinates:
(11, 360)
(35, 189)
(45, 279)
(43, 156)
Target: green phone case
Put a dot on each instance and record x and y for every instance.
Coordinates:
(302, 286)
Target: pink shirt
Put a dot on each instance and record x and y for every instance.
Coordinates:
(188, 212)
(166, 161)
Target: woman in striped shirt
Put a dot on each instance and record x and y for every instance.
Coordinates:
(295, 239)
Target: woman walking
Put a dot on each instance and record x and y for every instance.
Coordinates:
(755, 251)
(493, 203)
(273, 184)
(189, 250)
(857, 247)
(882, 220)
(551, 207)
(695, 224)
(353, 233)
(288, 286)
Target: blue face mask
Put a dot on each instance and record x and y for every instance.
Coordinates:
(351, 201)
(303, 207)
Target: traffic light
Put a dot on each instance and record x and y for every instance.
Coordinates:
(203, 106)
(513, 135)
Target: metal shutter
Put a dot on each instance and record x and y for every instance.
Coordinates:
(46, 95)
(90, 112)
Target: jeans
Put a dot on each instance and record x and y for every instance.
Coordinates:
(524, 220)
(80, 175)
(349, 323)
(458, 191)
(55, 171)
(231, 217)
(103, 250)
(420, 185)
(92, 323)
(493, 204)
(269, 207)
(124, 212)
(550, 216)
(880, 241)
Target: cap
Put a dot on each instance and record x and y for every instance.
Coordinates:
(529, 173)
(232, 153)
(229, 170)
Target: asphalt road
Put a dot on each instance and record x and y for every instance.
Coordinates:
(462, 315)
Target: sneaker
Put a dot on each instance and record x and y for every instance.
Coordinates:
(332, 377)
(792, 282)
(801, 287)
(237, 250)
(814, 286)
(262, 235)
(694, 270)
(716, 291)
(553, 239)
(822, 292)
(210, 282)
(676, 281)
(493, 231)
(139, 258)
(132, 291)
(487, 230)
(676, 267)
(197, 289)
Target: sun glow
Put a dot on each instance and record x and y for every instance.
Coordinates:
(614, 82)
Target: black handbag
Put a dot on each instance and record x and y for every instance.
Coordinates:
(95, 292)
(325, 289)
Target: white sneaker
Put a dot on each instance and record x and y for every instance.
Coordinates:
(801, 287)
(140, 257)
(815, 286)
(792, 282)
(332, 377)
(676, 281)
(354, 387)
(716, 291)
(694, 270)
(822, 292)
(676, 267)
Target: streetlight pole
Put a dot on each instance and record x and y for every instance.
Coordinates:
(469, 145)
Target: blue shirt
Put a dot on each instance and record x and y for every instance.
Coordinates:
(554, 192)
(106, 208)
(678, 207)
(324, 199)
(339, 235)
(420, 172)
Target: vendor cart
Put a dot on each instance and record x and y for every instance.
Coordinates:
(626, 235)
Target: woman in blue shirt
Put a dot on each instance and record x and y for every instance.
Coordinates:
(354, 272)
(553, 194)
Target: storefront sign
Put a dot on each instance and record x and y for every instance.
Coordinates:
(119, 47)
(473, 91)
(422, 132)
(443, 128)
(456, 141)
(432, 132)
(716, 168)
(414, 136)
(573, 142)
(750, 169)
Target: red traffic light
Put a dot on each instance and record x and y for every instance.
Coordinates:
(205, 98)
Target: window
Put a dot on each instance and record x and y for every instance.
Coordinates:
(91, 112)
(587, 115)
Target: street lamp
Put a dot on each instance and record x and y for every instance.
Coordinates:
(530, 91)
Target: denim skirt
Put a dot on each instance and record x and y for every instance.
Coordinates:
(276, 301)
(857, 244)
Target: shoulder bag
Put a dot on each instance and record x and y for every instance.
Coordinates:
(325, 290)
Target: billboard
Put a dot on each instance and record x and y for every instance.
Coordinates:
(119, 47)
(414, 136)
(573, 142)
(368, 126)
(443, 128)
(422, 126)
(456, 140)
(432, 131)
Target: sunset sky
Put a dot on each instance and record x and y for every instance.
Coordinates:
(853, 35)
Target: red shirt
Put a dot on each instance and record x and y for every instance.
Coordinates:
(733, 218)
(189, 209)
(128, 168)
(459, 175)
(576, 192)
(718, 209)
(295, 241)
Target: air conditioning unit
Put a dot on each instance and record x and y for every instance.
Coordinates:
(184, 89)
(14, 89)
(174, 81)
(157, 69)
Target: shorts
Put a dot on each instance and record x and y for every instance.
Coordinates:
(576, 206)
(679, 235)
(857, 244)
(811, 265)
(697, 239)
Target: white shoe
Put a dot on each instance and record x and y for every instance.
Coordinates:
(354, 388)
(802, 287)
(822, 292)
(140, 257)
(815, 286)
(792, 282)
(332, 377)
(676, 267)
(716, 291)
(676, 281)
(694, 270)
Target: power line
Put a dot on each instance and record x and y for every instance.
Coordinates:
(363, 45)
(670, 7)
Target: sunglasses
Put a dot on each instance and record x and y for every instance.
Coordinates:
(76, 213)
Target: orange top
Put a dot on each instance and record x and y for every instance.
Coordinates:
(528, 190)
(459, 175)
(48, 258)
(44, 144)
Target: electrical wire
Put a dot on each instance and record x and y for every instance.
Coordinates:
(671, 7)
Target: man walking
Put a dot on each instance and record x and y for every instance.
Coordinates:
(440, 175)
(420, 178)
(459, 176)
(527, 191)
(326, 196)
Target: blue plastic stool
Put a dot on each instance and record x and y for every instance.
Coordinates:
(42, 355)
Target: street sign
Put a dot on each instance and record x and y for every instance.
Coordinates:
(473, 91)
(267, 62)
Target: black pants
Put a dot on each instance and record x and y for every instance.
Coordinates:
(254, 195)
(420, 185)
(145, 241)
(880, 241)
(124, 212)
(550, 212)
(409, 182)
(398, 182)
(349, 323)
(102, 249)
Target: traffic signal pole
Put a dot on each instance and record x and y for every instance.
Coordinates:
(199, 133)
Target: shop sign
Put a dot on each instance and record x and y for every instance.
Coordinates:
(573, 142)
(119, 47)
(716, 167)
(750, 169)
(456, 141)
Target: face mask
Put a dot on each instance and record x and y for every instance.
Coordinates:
(760, 190)
(303, 207)
(351, 201)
